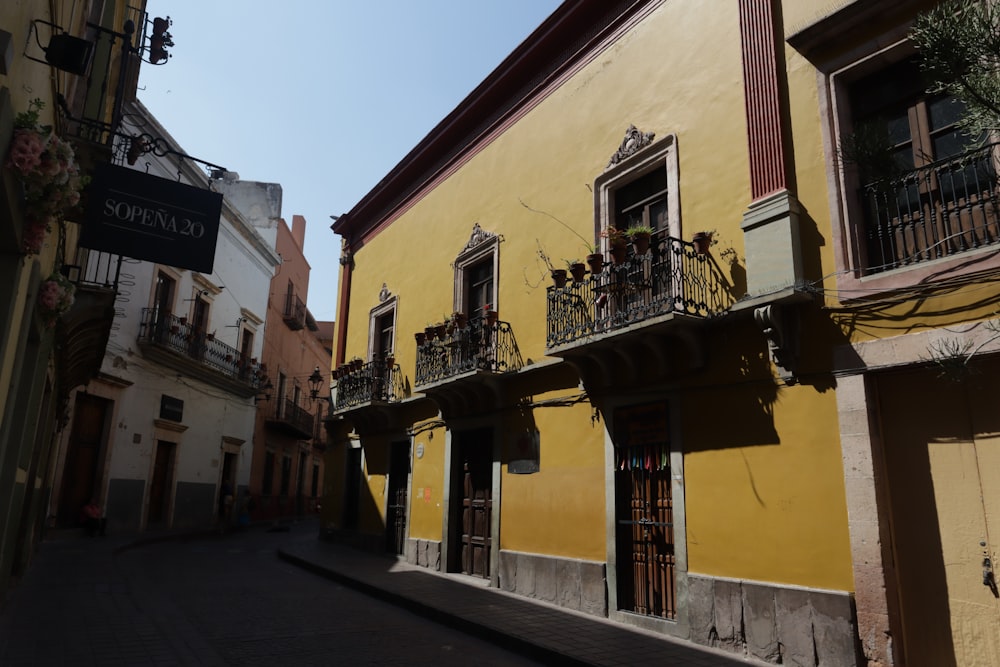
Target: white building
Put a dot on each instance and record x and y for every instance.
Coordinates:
(170, 419)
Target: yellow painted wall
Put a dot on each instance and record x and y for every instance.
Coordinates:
(773, 511)
(568, 489)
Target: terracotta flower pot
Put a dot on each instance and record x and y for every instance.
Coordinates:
(578, 270)
(491, 317)
(559, 278)
(640, 242)
(619, 253)
(420, 337)
(596, 263)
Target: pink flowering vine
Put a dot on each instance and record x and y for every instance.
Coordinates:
(47, 168)
(55, 297)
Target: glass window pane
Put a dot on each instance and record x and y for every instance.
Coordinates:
(949, 144)
(944, 111)
(898, 127)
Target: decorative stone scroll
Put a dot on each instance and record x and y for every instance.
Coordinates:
(634, 141)
(479, 236)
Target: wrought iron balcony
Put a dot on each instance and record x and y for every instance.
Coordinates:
(941, 209)
(169, 339)
(379, 382)
(294, 314)
(290, 417)
(83, 331)
(671, 278)
(484, 346)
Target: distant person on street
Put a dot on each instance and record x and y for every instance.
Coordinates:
(93, 522)
(225, 505)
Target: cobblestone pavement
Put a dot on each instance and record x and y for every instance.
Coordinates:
(230, 600)
(217, 600)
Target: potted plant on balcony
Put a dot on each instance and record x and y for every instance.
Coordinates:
(577, 269)
(558, 278)
(640, 236)
(461, 319)
(617, 242)
(420, 337)
(595, 260)
(430, 331)
(490, 315)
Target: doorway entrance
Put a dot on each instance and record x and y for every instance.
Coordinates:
(395, 513)
(471, 520)
(352, 487)
(644, 518)
(161, 485)
(941, 440)
(83, 457)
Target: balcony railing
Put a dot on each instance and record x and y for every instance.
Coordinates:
(373, 382)
(294, 314)
(290, 416)
(482, 345)
(672, 277)
(167, 331)
(939, 210)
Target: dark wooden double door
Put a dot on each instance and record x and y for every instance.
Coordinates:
(472, 502)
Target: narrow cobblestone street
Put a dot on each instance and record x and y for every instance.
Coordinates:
(222, 600)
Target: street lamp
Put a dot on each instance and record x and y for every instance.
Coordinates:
(315, 381)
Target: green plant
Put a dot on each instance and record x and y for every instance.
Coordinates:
(870, 149)
(571, 262)
(958, 44)
(639, 229)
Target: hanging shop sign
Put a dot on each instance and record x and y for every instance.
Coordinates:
(137, 215)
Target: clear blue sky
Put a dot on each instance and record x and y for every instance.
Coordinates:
(323, 96)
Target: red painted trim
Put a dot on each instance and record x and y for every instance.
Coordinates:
(763, 107)
(343, 314)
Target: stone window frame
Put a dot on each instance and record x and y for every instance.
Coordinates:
(836, 77)
(626, 169)
(388, 304)
(482, 245)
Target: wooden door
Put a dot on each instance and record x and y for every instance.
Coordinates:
(646, 567)
(80, 470)
(942, 451)
(160, 487)
(474, 520)
(395, 515)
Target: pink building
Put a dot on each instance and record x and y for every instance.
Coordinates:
(286, 474)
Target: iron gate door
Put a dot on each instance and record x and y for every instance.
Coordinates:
(646, 569)
(395, 515)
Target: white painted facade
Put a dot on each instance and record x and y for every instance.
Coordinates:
(180, 488)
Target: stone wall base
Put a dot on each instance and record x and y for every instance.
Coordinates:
(425, 553)
(580, 585)
(783, 625)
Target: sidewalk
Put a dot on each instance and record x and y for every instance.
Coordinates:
(541, 631)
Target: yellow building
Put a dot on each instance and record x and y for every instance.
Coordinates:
(66, 68)
(734, 431)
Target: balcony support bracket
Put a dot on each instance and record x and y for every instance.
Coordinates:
(780, 323)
